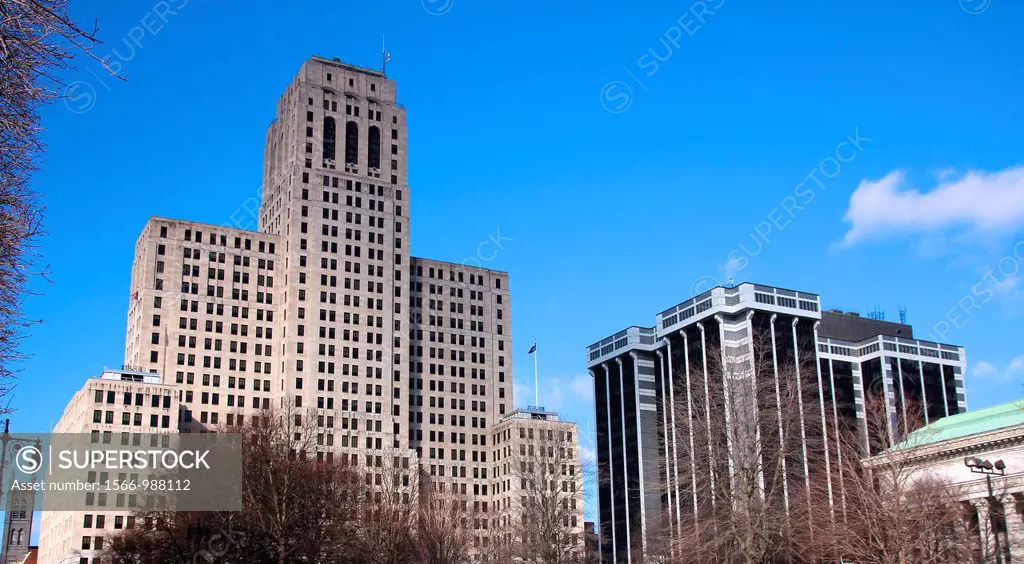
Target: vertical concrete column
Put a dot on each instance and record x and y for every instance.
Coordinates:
(625, 458)
(729, 401)
(903, 395)
(665, 406)
(672, 420)
(800, 408)
(985, 530)
(601, 529)
(888, 396)
(611, 458)
(639, 450)
(824, 424)
(689, 427)
(839, 446)
(707, 409)
(924, 392)
(963, 374)
(756, 411)
(778, 411)
(1014, 525)
(945, 397)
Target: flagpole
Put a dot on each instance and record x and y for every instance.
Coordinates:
(383, 56)
(536, 386)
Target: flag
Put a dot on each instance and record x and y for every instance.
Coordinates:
(387, 56)
(533, 349)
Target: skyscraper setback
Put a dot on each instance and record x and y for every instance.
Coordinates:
(323, 317)
(323, 312)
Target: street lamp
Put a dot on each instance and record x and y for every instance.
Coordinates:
(9, 448)
(989, 468)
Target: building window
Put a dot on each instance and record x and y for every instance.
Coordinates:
(351, 143)
(329, 138)
(373, 147)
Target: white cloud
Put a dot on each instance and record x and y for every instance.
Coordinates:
(583, 386)
(1008, 286)
(978, 201)
(983, 369)
(556, 392)
(1013, 370)
(733, 266)
(520, 392)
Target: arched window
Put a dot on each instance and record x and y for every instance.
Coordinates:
(373, 148)
(351, 143)
(329, 138)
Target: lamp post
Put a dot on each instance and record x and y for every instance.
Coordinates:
(989, 469)
(10, 446)
(5, 438)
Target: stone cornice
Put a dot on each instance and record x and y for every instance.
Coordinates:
(952, 448)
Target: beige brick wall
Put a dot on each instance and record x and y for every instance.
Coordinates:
(460, 363)
(323, 312)
(203, 314)
(103, 406)
(528, 451)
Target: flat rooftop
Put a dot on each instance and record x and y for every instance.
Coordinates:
(336, 62)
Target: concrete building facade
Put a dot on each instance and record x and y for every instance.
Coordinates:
(116, 402)
(538, 483)
(323, 311)
(655, 473)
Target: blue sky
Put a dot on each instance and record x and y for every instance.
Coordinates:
(618, 187)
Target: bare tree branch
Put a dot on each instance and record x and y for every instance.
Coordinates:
(890, 511)
(38, 39)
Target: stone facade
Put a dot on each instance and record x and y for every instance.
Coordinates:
(202, 313)
(537, 473)
(118, 401)
(323, 311)
(944, 459)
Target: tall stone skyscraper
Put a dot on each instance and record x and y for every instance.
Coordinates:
(335, 193)
(323, 312)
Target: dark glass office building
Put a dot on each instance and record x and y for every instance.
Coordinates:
(648, 464)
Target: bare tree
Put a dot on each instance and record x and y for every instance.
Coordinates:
(304, 502)
(542, 515)
(890, 511)
(37, 40)
(298, 505)
(164, 536)
(754, 417)
(298, 502)
(443, 532)
(389, 508)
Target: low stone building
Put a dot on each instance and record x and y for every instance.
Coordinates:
(943, 449)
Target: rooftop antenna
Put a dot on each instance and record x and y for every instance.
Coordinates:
(384, 56)
(732, 283)
(876, 313)
(903, 314)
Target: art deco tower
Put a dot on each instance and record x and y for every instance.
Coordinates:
(323, 312)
